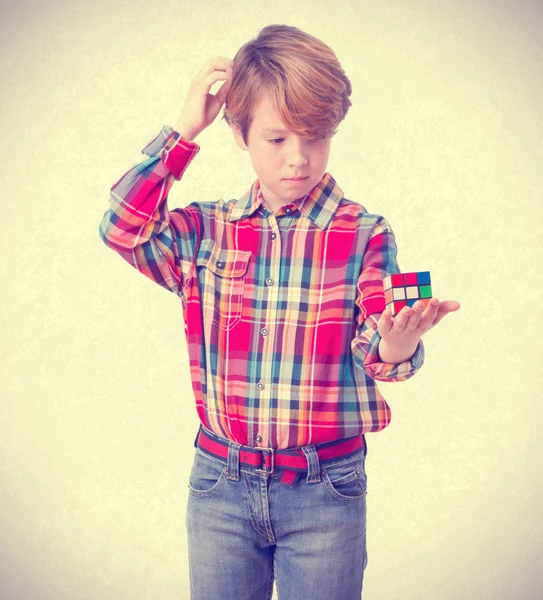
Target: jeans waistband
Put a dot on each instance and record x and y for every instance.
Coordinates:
(266, 461)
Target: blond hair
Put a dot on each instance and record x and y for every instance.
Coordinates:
(300, 74)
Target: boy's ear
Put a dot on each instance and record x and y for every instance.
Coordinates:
(238, 137)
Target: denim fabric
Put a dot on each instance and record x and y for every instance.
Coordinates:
(247, 528)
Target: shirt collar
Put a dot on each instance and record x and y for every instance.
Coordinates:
(319, 205)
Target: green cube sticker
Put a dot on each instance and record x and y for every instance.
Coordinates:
(425, 291)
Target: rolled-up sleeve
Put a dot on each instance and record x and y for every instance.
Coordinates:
(380, 260)
(138, 224)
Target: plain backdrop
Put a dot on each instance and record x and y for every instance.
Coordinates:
(444, 139)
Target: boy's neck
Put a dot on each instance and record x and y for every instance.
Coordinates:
(272, 206)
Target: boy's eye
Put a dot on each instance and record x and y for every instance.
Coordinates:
(311, 140)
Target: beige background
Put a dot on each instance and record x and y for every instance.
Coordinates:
(98, 418)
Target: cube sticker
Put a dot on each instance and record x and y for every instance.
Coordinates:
(404, 289)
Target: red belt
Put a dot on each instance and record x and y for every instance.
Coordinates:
(292, 459)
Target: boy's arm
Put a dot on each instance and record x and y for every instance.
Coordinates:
(379, 260)
(138, 225)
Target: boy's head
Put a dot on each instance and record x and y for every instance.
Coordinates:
(286, 79)
(299, 73)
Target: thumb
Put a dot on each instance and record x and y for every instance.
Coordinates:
(445, 308)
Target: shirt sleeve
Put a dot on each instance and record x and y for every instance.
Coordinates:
(378, 262)
(138, 225)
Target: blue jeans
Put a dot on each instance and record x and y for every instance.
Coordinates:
(246, 528)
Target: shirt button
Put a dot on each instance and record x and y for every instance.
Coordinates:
(273, 236)
(264, 331)
(288, 210)
(258, 438)
(269, 281)
(260, 385)
(220, 264)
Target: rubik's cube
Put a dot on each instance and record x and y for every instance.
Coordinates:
(404, 289)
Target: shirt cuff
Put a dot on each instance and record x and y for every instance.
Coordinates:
(365, 349)
(176, 152)
(382, 371)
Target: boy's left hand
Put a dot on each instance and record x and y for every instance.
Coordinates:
(405, 329)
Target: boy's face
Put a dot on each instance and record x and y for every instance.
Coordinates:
(278, 154)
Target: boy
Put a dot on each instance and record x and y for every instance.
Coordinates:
(285, 322)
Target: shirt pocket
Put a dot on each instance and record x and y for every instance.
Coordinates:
(221, 274)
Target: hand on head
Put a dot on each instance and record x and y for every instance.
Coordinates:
(201, 108)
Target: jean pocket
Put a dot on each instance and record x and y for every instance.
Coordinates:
(222, 283)
(206, 476)
(346, 482)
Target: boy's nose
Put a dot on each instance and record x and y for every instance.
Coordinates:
(297, 155)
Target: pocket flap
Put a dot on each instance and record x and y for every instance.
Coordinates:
(225, 263)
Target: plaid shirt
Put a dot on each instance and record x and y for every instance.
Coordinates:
(280, 311)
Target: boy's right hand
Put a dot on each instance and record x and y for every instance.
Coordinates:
(201, 108)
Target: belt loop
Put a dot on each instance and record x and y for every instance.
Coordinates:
(233, 460)
(196, 438)
(313, 465)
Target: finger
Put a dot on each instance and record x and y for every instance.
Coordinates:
(414, 317)
(212, 79)
(215, 63)
(430, 311)
(385, 323)
(433, 304)
(402, 318)
(222, 92)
